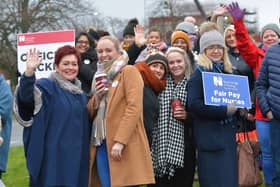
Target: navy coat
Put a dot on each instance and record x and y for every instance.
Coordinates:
(57, 143)
(268, 82)
(214, 134)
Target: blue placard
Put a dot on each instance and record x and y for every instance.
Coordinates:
(222, 89)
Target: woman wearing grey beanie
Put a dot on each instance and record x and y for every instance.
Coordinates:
(214, 126)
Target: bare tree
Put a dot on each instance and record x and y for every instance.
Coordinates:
(22, 16)
(166, 8)
(116, 26)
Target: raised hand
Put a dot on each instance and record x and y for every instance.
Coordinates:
(33, 61)
(235, 11)
(220, 11)
(139, 32)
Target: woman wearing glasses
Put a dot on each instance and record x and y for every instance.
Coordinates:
(214, 126)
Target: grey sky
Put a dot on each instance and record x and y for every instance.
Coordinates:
(269, 10)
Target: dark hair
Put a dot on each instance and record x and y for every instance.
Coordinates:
(154, 29)
(90, 40)
(129, 28)
(102, 33)
(66, 50)
(93, 34)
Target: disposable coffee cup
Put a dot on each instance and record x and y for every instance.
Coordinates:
(175, 103)
(102, 77)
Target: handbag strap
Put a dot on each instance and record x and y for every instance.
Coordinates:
(243, 114)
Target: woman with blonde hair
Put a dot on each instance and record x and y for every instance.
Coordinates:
(120, 154)
(214, 126)
(172, 135)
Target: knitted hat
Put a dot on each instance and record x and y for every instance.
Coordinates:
(209, 38)
(129, 28)
(271, 26)
(186, 27)
(207, 26)
(180, 34)
(157, 57)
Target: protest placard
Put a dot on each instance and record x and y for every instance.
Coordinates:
(222, 89)
(47, 43)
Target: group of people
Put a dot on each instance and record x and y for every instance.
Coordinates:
(146, 121)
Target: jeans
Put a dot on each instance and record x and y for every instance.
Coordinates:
(275, 144)
(103, 165)
(263, 129)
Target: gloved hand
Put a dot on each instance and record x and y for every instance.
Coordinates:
(235, 11)
(231, 109)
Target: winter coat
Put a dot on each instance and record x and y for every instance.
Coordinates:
(214, 134)
(251, 54)
(6, 103)
(87, 69)
(150, 112)
(124, 124)
(268, 83)
(133, 52)
(56, 131)
(240, 67)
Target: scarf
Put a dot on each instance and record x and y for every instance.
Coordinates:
(74, 86)
(168, 142)
(149, 78)
(112, 68)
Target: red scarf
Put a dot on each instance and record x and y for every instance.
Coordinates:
(149, 78)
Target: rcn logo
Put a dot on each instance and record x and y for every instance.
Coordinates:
(218, 81)
(21, 38)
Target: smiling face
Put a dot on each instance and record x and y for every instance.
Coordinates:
(181, 43)
(154, 37)
(230, 38)
(177, 65)
(157, 69)
(215, 52)
(82, 44)
(269, 38)
(106, 50)
(68, 67)
(128, 39)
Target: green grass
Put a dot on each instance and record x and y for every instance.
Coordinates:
(17, 175)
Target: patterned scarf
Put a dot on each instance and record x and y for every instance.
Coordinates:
(112, 68)
(168, 142)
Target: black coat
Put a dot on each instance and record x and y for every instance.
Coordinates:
(150, 111)
(240, 67)
(87, 69)
(133, 53)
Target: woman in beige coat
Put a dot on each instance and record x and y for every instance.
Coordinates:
(120, 154)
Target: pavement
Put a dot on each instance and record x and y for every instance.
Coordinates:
(16, 138)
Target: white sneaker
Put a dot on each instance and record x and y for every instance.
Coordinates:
(1, 183)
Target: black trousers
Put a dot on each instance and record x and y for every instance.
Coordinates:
(183, 176)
